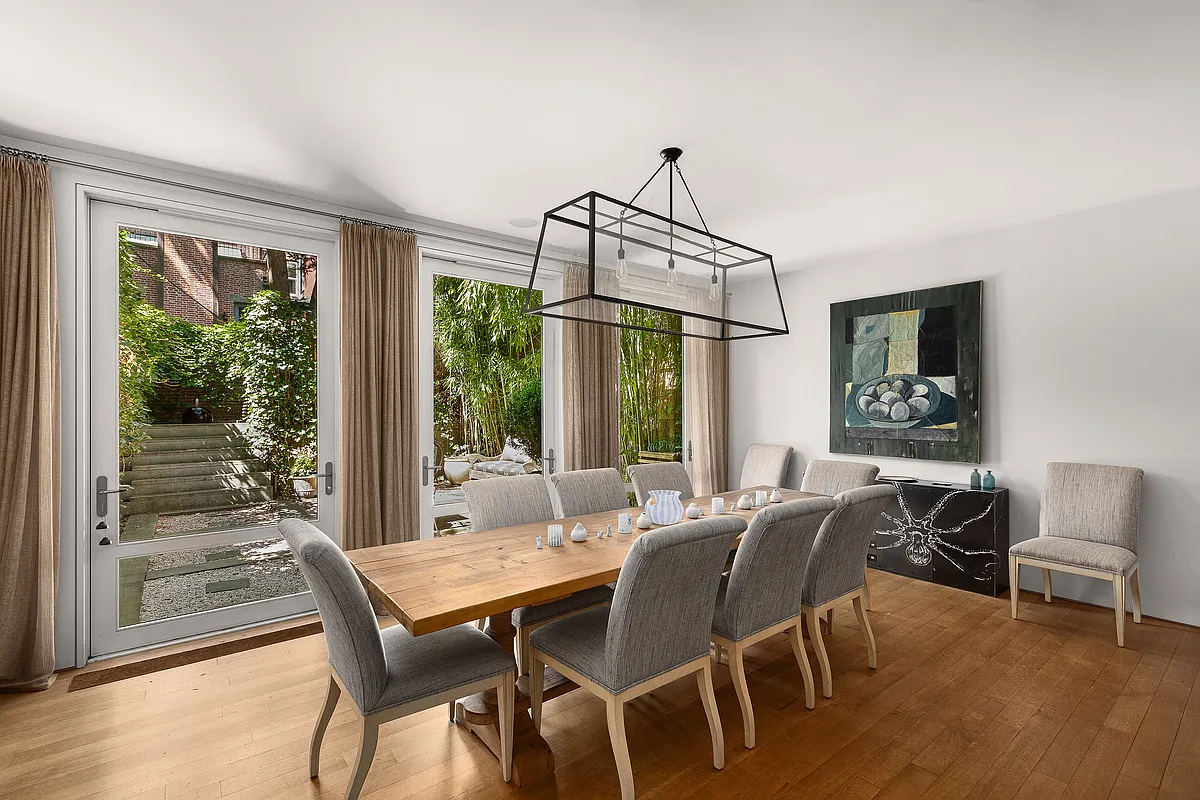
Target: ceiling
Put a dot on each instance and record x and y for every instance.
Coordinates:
(815, 130)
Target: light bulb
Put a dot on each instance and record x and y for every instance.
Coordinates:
(714, 291)
(622, 265)
(672, 275)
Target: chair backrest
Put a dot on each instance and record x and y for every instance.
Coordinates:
(839, 554)
(662, 611)
(501, 502)
(668, 475)
(588, 491)
(767, 579)
(765, 465)
(351, 630)
(833, 476)
(1092, 502)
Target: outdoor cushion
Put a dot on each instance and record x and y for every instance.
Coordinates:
(530, 615)
(1077, 553)
(513, 452)
(500, 467)
(420, 666)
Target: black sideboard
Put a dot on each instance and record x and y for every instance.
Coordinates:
(945, 533)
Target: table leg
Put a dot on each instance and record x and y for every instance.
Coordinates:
(532, 757)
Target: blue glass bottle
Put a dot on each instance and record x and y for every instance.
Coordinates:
(975, 479)
(989, 481)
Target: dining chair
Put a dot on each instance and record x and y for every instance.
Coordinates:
(760, 596)
(390, 673)
(835, 574)
(667, 475)
(520, 500)
(832, 477)
(588, 491)
(1089, 527)
(765, 465)
(656, 630)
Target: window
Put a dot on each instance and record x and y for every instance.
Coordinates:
(148, 239)
(296, 279)
(229, 250)
(651, 389)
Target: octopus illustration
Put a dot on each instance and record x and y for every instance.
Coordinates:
(921, 537)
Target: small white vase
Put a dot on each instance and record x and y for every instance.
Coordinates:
(579, 533)
(776, 496)
(643, 521)
(745, 503)
(693, 511)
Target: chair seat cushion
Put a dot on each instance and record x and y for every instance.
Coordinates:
(531, 615)
(422, 666)
(578, 641)
(1077, 553)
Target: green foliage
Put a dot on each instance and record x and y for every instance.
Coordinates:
(485, 349)
(275, 356)
(523, 417)
(651, 385)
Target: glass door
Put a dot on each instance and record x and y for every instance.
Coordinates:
(489, 392)
(213, 416)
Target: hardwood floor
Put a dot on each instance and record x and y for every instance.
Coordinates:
(966, 703)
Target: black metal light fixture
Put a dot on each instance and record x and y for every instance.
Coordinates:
(638, 269)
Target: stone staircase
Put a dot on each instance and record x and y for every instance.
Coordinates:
(190, 468)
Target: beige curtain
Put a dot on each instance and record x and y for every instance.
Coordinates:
(380, 492)
(706, 383)
(591, 359)
(29, 426)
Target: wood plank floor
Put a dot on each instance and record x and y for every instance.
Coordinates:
(966, 703)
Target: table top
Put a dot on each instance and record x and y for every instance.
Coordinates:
(433, 584)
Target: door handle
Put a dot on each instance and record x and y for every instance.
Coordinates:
(425, 470)
(327, 475)
(102, 493)
(689, 449)
(550, 461)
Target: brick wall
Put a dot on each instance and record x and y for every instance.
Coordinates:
(188, 273)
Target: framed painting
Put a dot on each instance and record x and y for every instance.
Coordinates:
(904, 374)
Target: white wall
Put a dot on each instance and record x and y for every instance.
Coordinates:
(1091, 352)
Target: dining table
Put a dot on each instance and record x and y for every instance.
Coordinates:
(433, 584)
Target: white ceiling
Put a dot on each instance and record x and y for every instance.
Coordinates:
(815, 130)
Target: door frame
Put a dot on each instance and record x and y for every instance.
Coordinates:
(439, 261)
(209, 223)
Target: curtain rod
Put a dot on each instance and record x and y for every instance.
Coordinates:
(13, 151)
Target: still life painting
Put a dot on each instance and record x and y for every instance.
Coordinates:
(905, 374)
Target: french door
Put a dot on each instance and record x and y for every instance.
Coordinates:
(489, 383)
(212, 392)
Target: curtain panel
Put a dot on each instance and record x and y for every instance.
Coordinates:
(706, 386)
(380, 427)
(591, 361)
(29, 426)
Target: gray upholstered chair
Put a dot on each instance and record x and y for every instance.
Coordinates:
(760, 596)
(832, 477)
(765, 465)
(835, 572)
(656, 630)
(667, 475)
(1089, 526)
(588, 491)
(519, 500)
(390, 673)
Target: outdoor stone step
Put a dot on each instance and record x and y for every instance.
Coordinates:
(201, 429)
(155, 471)
(193, 443)
(145, 459)
(185, 502)
(194, 483)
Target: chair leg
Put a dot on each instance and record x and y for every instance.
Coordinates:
(1014, 582)
(1119, 607)
(522, 650)
(866, 589)
(868, 634)
(1136, 588)
(737, 668)
(814, 633)
(829, 620)
(505, 700)
(366, 753)
(314, 749)
(481, 624)
(616, 734)
(537, 680)
(810, 699)
(1046, 583)
(451, 704)
(709, 698)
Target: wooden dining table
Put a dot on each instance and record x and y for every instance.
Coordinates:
(433, 584)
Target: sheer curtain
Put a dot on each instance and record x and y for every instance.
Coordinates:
(29, 426)
(380, 494)
(706, 384)
(591, 360)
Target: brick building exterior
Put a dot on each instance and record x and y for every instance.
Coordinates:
(208, 282)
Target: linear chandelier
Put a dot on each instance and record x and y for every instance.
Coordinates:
(641, 270)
